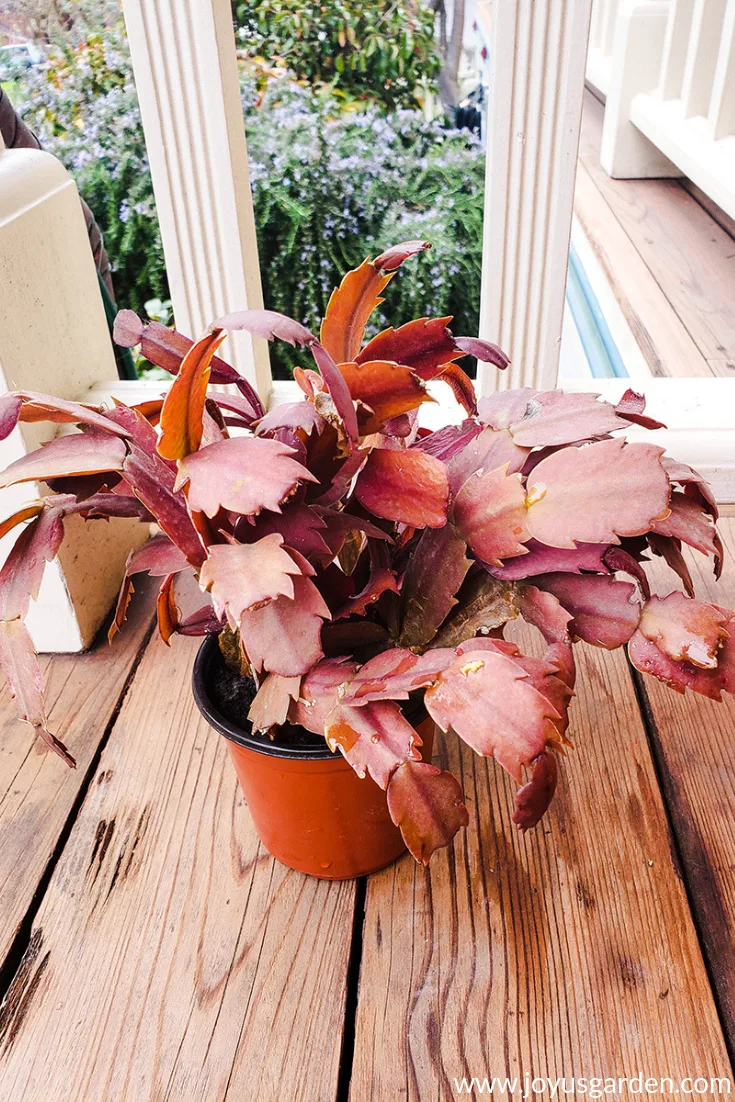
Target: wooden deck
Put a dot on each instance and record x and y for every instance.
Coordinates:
(153, 950)
(670, 262)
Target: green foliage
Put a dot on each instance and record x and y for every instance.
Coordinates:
(384, 52)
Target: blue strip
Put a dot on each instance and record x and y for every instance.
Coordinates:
(594, 333)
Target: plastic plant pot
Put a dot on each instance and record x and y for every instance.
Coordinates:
(310, 809)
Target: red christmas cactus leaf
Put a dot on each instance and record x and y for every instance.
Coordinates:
(631, 407)
(396, 255)
(684, 629)
(243, 576)
(244, 474)
(460, 385)
(166, 611)
(647, 656)
(268, 325)
(338, 391)
(695, 486)
(300, 525)
(159, 556)
(19, 663)
(602, 609)
(544, 611)
(76, 454)
(394, 674)
(618, 560)
(121, 607)
(423, 345)
(484, 351)
(426, 804)
(22, 572)
(490, 514)
(10, 407)
(349, 308)
(689, 522)
(386, 390)
(183, 408)
(26, 513)
(153, 484)
(505, 407)
(435, 571)
(272, 701)
(485, 604)
(670, 551)
(382, 580)
(284, 636)
(552, 417)
(291, 415)
(201, 622)
(487, 451)
(320, 692)
(489, 701)
(404, 485)
(36, 407)
(374, 739)
(449, 441)
(545, 560)
(533, 799)
(597, 493)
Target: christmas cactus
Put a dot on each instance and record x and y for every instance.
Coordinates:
(352, 559)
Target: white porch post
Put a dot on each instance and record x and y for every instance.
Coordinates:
(186, 75)
(537, 55)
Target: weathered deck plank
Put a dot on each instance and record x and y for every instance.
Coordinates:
(694, 739)
(570, 952)
(38, 791)
(174, 957)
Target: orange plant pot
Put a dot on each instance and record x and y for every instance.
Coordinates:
(309, 807)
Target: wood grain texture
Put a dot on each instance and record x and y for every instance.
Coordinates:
(687, 252)
(694, 740)
(172, 958)
(37, 790)
(569, 952)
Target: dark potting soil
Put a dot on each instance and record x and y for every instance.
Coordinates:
(232, 696)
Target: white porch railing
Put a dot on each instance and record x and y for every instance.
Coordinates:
(668, 71)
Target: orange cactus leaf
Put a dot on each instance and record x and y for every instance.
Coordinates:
(183, 409)
(168, 613)
(349, 308)
(387, 389)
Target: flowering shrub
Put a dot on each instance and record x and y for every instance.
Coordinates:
(351, 558)
(329, 186)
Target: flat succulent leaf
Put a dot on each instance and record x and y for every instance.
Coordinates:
(684, 629)
(75, 454)
(269, 325)
(243, 576)
(543, 560)
(619, 561)
(22, 572)
(153, 484)
(449, 441)
(291, 415)
(487, 699)
(647, 656)
(533, 799)
(158, 557)
(395, 673)
(349, 308)
(396, 255)
(28, 512)
(338, 391)
(300, 525)
(484, 604)
(183, 408)
(487, 451)
(382, 580)
(272, 701)
(321, 691)
(36, 407)
(19, 663)
(434, 574)
(552, 417)
(460, 385)
(284, 636)
(423, 345)
(426, 804)
(670, 551)
(166, 611)
(484, 351)
(695, 485)
(689, 522)
(244, 475)
(602, 608)
(201, 622)
(544, 610)
(406, 486)
(597, 493)
(631, 406)
(10, 407)
(386, 390)
(490, 514)
(505, 407)
(374, 739)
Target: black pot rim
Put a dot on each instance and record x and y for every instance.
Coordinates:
(231, 730)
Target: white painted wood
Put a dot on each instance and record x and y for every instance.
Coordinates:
(185, 69)
(676, 40)
(599, 53)
(636, 66)
(702, 51)
(54, 338)
(535, 103)
(721, 113)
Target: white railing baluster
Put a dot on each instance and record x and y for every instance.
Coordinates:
(721, 115)
(676, 41)
(701, 56)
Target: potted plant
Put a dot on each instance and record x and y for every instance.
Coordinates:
(360, 570)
